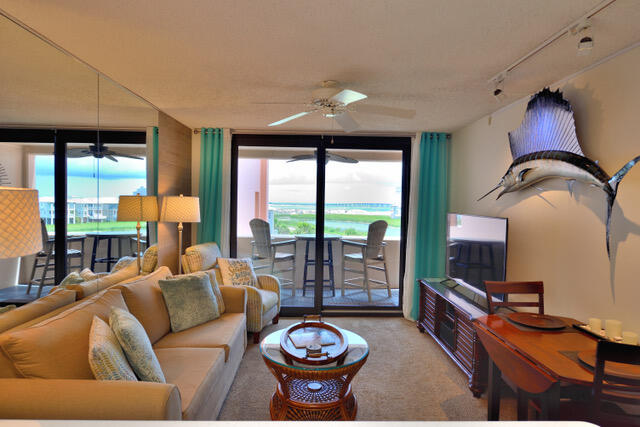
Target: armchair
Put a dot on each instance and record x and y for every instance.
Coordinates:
(263, 300)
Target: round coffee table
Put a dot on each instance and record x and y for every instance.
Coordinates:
(314, 393)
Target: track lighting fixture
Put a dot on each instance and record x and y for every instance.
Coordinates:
(498, 91)
(585, 37)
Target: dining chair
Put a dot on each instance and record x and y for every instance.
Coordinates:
(616, 398)
(263, 249)
(45, 259)
(506, 288)
(371, 254)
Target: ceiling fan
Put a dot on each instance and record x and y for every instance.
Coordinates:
(98, 151)
(335, 102)
(328, 157)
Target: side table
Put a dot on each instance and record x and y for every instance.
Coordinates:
(314, 393)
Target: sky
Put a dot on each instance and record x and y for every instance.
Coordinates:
(363, 182)
(116, 178)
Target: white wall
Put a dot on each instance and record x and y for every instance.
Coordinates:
(552, 236)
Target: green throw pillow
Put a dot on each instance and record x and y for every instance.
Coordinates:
(190, 300)
(136, 345)
(106, 359)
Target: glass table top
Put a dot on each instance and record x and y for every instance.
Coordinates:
(358, 349)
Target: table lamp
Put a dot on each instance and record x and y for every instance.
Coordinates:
(20, 229)
(180, 209)
(138, 208)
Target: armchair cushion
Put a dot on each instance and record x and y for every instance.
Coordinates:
(269, 299)
(200, 257)
(237, 272)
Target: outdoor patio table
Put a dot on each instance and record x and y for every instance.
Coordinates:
(310, 283)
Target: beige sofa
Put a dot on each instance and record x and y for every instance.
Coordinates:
(44, 362)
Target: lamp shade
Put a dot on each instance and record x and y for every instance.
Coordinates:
(138, 208)
(20, 229)
(180, 209)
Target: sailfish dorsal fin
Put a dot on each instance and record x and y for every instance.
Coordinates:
(548, 125)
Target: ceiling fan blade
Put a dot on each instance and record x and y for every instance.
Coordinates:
(347, 96)
(78, 152)
(346, 122)
(386, 111)
(110, 157)
(338, 158)
(302, 157)
(288, 119)
(128, 156)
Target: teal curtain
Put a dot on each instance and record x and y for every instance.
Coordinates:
(210, 192)
(155, 172)
(431, 219)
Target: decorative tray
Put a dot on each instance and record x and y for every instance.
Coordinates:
(313, 342)
(535, 320)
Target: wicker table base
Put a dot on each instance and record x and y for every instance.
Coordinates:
(311, 404)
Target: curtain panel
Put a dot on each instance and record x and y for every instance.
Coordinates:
(427, 216)
(210, 188)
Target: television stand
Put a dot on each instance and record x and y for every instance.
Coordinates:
(447, 310)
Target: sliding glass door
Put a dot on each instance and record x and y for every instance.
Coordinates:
(324, 215)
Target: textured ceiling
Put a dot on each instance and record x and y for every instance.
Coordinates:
(215, 63)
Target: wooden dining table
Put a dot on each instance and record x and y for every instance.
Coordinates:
(543, 363)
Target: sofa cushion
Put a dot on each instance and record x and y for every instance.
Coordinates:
(136, 345)
(71, 279)
(106, 359)
(149, 259)
(269, 299)
(7, 308)
(145, 302)
(36, 309)
(219, 333)
(215, 285)
(190, 300)
(58, 347)
(237, 272)
(87, 274)
(196, 379)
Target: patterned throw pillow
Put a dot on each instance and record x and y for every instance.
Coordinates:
(106, 359)
(149, 260)
(237, 272)
(89, 275)
(7, 308)
(190, 300)
(136, 345)
(72, 279)
(122, 263)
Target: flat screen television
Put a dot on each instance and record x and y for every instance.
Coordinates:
(476, 249)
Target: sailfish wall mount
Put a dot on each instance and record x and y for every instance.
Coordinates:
(546, 146)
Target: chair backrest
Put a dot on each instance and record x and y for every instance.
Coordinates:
(45, 235)
(375, 236)
(613, 388)
(506, 288)
(261, 237)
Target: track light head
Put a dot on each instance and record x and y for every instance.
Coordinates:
(584, 32)
(498, 91)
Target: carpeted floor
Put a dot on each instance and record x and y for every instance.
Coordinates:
(407, 377)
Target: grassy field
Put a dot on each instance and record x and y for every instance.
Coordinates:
(101, 226)
(299, 223)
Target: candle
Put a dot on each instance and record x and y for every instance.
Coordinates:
(595, 325)
(613, 328)
(629, 337)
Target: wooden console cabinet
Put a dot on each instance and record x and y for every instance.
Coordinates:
(447, 310)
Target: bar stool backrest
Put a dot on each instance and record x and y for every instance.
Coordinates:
(45, 235)
(261, 237)
(506, 288)
(375, 236)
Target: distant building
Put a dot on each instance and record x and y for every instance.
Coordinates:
(82, 209)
